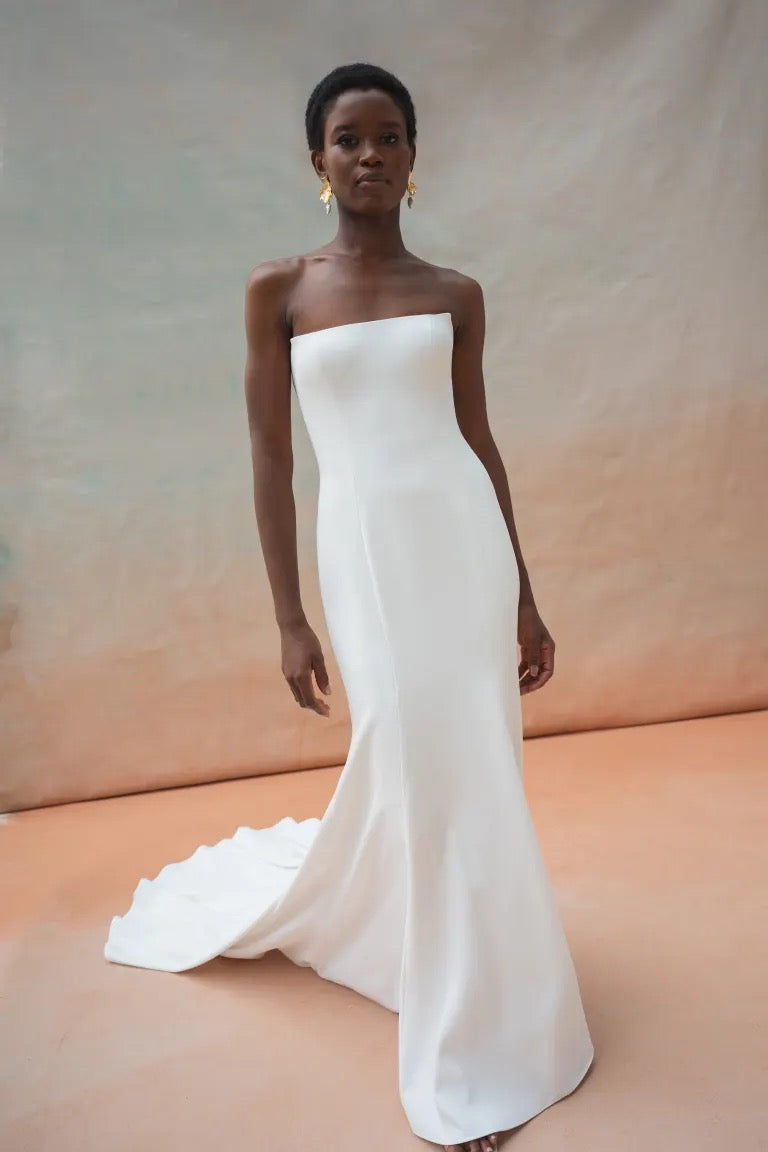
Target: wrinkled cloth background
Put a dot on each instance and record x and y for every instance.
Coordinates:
(599, 167)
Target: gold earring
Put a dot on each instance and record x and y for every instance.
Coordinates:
(411, 190)
(326, 194)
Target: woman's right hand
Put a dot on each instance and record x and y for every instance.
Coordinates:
(302, 655)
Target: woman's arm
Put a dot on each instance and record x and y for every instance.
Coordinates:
(536, 644)
(472, 414)
(268, 402)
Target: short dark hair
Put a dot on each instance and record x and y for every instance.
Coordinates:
(351, 76)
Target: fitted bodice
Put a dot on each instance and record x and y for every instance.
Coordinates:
(377, 394)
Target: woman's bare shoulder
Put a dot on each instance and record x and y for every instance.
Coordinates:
(465, 287)
(272, 286)
(461, 293)
(284, 269)
(460, 287)
(272, 276)
(277, 282)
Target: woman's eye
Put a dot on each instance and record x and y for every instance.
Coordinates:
(347, 141)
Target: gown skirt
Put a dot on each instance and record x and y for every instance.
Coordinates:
(423, 886)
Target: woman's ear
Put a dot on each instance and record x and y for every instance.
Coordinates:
(318, 162)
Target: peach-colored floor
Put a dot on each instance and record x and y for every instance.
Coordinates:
(655, 841)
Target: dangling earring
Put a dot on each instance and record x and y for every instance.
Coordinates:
(411, 190)
(326, 194)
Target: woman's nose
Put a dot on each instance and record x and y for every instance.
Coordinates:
(370, 153)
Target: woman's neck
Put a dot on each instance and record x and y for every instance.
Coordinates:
(369, 239)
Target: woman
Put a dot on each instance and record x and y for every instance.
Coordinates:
(423, 886)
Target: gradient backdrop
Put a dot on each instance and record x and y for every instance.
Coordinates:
(600, 167)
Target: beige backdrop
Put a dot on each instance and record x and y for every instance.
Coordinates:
(600, 167)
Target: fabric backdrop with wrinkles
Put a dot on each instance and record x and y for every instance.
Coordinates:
(600, 168)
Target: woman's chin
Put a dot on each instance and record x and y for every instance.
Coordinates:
(376, 205)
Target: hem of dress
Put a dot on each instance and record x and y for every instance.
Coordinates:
(176, 967)
(507, 1123)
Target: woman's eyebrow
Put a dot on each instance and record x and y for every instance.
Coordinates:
(351, 127)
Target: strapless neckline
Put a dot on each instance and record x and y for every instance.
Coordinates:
(364, 323)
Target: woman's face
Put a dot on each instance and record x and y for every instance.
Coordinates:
(366, 154)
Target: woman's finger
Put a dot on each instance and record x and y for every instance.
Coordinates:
(308, 695)
(321, 675)
(304, 685)
(547, 658)
(292, 685)
(529, 650)
(547, 650)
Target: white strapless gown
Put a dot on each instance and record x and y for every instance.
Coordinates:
(423, 886)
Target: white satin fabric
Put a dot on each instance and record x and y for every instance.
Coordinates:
(423, 886)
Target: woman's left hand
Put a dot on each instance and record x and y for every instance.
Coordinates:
(537, 662)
